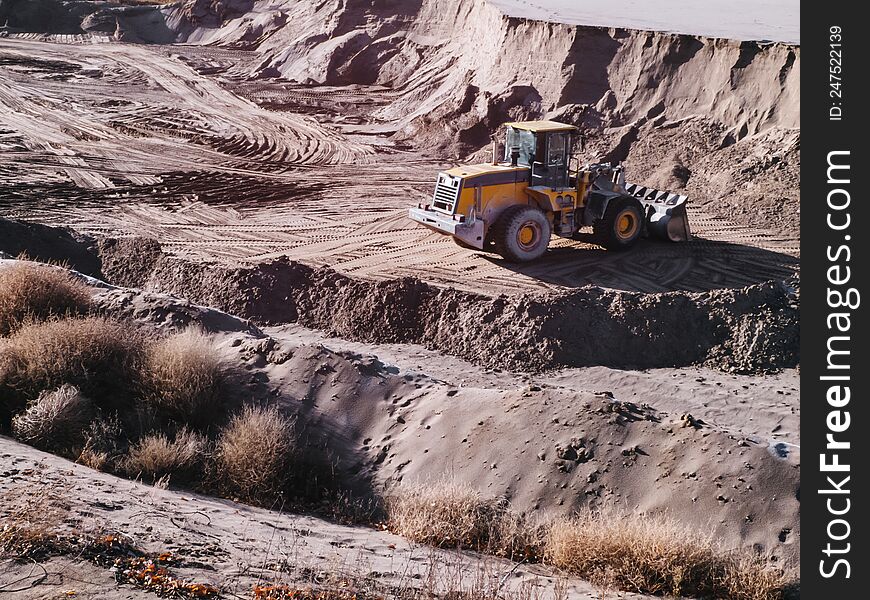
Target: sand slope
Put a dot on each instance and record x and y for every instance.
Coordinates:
(552, 443)
(222, 543)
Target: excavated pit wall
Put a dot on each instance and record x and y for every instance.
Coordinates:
(717, 119)
(750, 330)
(754, 329)
(466, 54)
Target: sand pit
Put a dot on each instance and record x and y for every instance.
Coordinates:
(247, 165)
(273, 141)
(549, 443)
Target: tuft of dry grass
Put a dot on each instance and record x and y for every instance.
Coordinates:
(185, 377)
(98, 355)
(254, 452)
(450, 514)
(33, 292)
(56, 421)
(656, 555)
(156, 456)
(643, 554)
(446, 514)
(105, 443)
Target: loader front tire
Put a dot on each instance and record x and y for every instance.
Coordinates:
(522, 233)
(622, 224)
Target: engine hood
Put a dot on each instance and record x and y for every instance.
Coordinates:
(489, 174)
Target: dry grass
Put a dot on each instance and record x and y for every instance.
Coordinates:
(446, 514)
(105, 443)
(650, 555)
(31, 523)
(33, 292)
(185, 377)
(655, 555)
(56, 421)
(157, 456)
(98, 355)
(254, 452)
(449, 514)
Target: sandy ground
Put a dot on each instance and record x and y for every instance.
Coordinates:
(225, 544)
(400, 413)
(239, 183)
(771, 20)
(393, 413)
(766, 408)
(304, 130)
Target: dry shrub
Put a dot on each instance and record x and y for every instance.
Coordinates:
(450, 514)
(157, 456)
(254, 452)
(33, 292)
(656, 555)
(105, 444)
(97, 355)
(56, 421)
(185, 377)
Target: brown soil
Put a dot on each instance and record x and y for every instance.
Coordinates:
(262, 162)
(754, 329)
(307, 129)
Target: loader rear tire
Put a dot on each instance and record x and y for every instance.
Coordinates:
(522, 233)
(622, 224)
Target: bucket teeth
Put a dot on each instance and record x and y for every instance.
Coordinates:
(652, 195)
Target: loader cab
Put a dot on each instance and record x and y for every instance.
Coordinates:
(543, 146)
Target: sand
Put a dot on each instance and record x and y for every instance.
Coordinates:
(401, 413)
(226, 544)
(249, 168)
(750, 330)
(412, 415)
(771, 20)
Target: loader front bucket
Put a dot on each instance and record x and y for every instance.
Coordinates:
(666, 216)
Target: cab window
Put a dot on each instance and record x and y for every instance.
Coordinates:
(525, 141)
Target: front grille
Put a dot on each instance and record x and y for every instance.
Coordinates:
(446, 194)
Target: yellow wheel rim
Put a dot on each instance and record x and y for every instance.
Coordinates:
(626, 224)
(526, 235)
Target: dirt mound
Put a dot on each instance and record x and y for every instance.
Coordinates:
(50, 244)
(751, 330)
(549, 449)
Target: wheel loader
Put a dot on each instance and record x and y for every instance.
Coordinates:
(514, 205)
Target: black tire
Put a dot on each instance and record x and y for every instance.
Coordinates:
(622, 224)
(522, 233)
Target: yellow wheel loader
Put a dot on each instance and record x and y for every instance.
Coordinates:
(513, 206)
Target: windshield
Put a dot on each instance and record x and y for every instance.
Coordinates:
(522, 139)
